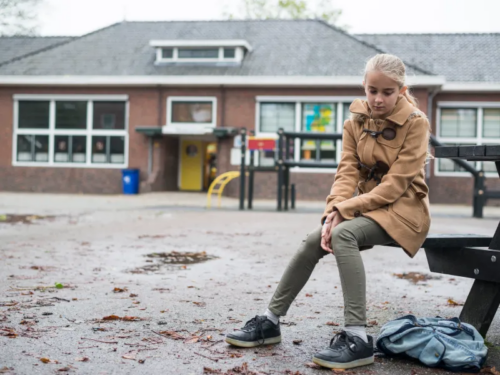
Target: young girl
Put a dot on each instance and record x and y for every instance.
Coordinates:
(384, 153)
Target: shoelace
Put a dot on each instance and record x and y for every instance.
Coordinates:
(340, 340)
(256, 323)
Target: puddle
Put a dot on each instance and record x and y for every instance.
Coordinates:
(415, 277)
(173, 260)
(24, 219)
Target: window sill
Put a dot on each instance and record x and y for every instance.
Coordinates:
(69, 165)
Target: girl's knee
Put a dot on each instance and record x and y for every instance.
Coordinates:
(342, 237)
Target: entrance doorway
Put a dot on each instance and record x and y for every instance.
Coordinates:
(197, 164)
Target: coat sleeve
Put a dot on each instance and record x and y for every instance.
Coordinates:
(410, 160)
(347, 176)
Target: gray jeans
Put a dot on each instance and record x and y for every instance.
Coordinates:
(347, 238)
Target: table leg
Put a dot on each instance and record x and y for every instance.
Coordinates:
(481, 305)
(484, 297)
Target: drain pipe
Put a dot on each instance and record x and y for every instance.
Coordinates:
(430, 117)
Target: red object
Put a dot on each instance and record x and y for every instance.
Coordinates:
(267, 144)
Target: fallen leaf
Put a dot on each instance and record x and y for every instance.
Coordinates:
(308, 295)
(312, 365)
(111, 317)
(372, 323)
(332, 324)
(453, 303)
(82, 359)
(8, 332)
(59, 286)
(131, 318)
(64, 369)
(193, 340)
(173, 335)
(141, 360)
(297, 342)
(132, 295)
(208, 370)
(129, 356)
(46, 360)
(490, 370)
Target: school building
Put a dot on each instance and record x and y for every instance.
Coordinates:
(169, 98)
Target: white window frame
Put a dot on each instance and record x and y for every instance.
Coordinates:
(478, 140)
(51, 132)
(190, 127)
(299, 100)
(238, 55)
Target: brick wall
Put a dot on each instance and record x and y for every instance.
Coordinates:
(236, 108)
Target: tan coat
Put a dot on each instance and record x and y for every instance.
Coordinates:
(400, 202)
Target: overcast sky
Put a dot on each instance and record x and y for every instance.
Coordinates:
(76, 17)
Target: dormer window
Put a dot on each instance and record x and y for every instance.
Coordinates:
(218, 52)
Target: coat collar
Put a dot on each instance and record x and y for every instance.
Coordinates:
(399, 115)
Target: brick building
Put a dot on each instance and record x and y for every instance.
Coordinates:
(168, 97)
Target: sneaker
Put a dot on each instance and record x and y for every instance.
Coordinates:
(257, 331)
(346, 351)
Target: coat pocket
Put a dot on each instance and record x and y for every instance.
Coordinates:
(410, 210)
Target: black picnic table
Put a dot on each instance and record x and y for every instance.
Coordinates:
(470, 255)
(473, 258)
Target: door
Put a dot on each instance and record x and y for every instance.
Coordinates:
(191, 168)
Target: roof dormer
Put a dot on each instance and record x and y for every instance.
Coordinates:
(216, 52)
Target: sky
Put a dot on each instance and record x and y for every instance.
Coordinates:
(77, 17)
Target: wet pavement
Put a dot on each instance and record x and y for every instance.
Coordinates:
(150, 285)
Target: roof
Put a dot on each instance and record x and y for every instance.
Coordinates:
(16, 46)
(281, 48)
(458, 57)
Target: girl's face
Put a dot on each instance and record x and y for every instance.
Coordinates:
(382, 93)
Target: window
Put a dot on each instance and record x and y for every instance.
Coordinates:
(318, 118)
(33, 115)
(274, 116)
(304, 114)
(192, 112)
(458, 123)
(466, 124)
(229, 53)
(491, 123)
(62, 131)
(198, 53)
(167, 53)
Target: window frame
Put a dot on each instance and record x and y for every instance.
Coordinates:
(339, 101)
(191, 127)
(478, 140)
(238, 55)
(52, 132)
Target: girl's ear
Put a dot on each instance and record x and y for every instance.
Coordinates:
(403, 90)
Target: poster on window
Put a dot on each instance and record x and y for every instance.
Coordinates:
(318, 118)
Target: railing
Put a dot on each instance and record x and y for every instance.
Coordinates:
(284, 162)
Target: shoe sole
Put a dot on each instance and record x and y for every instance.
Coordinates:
(338, 365)
(252, 344)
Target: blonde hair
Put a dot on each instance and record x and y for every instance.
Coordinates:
(394, 68)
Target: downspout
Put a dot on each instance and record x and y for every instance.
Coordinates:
(430, 117)
(151, 140)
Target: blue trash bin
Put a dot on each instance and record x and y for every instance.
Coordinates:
(130, 180)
